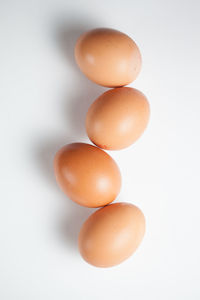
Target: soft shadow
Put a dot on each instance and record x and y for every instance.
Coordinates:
(45, 153)
(69, 223)
(72, 215)
(66, 35)
(83, 92)
(73, 107)
(81, 100)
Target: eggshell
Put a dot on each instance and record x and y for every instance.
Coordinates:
(108, 57)
(111, 234)
(117, 118)
(87, 174)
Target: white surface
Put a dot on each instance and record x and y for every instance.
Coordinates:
(43, 101)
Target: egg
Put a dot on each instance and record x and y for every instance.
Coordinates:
(108, 57)
(111, 234)
(117, 118)
(87, 174)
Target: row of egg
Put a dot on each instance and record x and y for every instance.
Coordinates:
(116, 119)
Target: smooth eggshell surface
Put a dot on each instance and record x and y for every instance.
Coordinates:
(111, 234)
(87, 174)
(108, 57)
(117, 118)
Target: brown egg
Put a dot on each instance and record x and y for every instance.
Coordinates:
(117, 118)
(87, 174)
(108, 57)
(111, 234)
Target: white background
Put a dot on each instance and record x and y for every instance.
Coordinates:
(43, 102)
